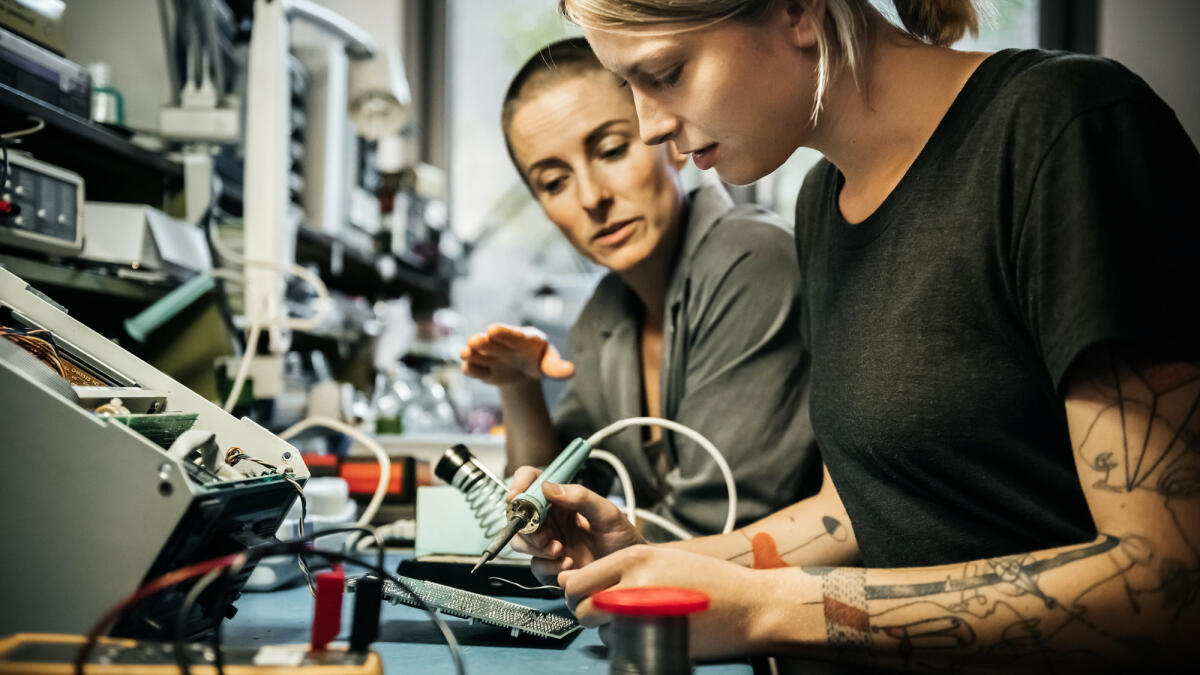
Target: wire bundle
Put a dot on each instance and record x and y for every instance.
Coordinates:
(228, 567)
(40, 343)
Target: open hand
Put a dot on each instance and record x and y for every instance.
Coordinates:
(507, 355)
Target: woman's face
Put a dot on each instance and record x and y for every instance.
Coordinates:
(736, 95)
(615, 198)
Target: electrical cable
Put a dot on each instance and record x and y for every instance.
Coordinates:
(651, 517)
(165, 581)
(240, 560)
(300, 561)
(631, 509)
(726, 472)
(184, 610)
(385, 464)
(38, 125)
(243, 370)
(324, 301)
(300, 545)
(189, 601)
(4, 148)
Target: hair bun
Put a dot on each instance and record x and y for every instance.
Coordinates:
(939, 22)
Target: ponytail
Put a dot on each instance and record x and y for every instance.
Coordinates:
(939, 22)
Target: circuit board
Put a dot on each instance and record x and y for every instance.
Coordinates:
(475, 607)
(162, 428)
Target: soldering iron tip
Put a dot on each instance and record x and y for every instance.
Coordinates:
(482, 559)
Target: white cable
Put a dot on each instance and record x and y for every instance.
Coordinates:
(221, 247)
(726, 472)
(385, 464)
(38, 125)
(651, 517)
(324, 303)
(631, 508)
(244, 366)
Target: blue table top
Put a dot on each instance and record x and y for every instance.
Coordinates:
(410, 643)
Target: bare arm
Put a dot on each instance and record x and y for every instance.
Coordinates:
(1126, 600)
(815, 531)
(529, 437)
(515, 360)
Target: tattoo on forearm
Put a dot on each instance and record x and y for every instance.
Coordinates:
(1132, 594)
(1021, 571)
(830, 527)
(843, 590)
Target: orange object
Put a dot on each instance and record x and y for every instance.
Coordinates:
(363, 477)
(766, 552)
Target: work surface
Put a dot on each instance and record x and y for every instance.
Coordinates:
(410, 643)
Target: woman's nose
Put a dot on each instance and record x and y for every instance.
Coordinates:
(594, 194)
(656, 124)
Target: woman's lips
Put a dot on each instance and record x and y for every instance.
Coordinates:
(706, 157)
(614, 234)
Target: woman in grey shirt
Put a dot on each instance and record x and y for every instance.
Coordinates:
(697, 320)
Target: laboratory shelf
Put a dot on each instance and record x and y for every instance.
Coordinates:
(355, 272)
(113, 168)
(41, 274)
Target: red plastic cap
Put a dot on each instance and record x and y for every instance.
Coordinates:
(327, 614)
(651, 601)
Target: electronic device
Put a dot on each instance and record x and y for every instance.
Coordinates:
(516, 618)
(39, 73)
(115, 474)
(135, 237)
(45, 212)
(50, 654)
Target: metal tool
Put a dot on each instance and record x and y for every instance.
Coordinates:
(527, 511)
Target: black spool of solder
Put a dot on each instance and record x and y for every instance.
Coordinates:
(649, 633)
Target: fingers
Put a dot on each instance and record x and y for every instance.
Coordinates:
(505, 331)
(579, 585)
(554, 365)
(587, 614)
(547, 571)
(479, 372)
(522, 478)
(600, 513)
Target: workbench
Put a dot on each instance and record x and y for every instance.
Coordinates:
(409, 642)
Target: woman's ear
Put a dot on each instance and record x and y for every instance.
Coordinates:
(674, 156)
(804, 19)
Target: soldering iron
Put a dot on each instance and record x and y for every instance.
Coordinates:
(527, 511)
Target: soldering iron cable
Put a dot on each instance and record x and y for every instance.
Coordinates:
(722, 464)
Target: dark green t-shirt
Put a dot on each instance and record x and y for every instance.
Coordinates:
(1054, 208)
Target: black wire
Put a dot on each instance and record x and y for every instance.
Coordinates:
(300, 547)
(4, 147)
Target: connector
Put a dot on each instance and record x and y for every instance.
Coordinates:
(327, 613)
(368, 595)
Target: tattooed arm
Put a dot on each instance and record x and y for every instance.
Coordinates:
(815, 531)
(1127, 599)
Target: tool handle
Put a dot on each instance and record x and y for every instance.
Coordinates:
(561, 470)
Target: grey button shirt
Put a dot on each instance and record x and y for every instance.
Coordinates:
(733, 369)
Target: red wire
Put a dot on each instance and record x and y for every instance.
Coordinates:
(165, 581)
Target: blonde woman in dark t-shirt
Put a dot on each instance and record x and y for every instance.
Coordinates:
(998, 262)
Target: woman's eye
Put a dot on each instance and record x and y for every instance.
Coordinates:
(615, 151)
(553, 186)
(670, 79)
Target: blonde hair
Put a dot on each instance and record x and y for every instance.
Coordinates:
(841, 38)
